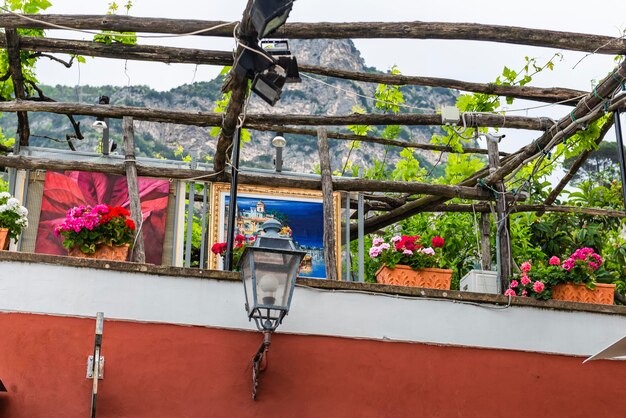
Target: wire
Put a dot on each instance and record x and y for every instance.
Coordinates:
(524, 109)
(364, 96)
(124, 35)
(397, 296)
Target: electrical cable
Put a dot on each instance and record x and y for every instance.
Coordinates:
(397, 296)
(124, 35)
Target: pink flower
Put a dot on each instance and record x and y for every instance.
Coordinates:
(554, 261)
(374, 252)
(407, 252)
(538, 286)
(384, 246)
(428, 251)
(525, 280)
(377, 241)
(509, 292)
(524, 293)
(594, 265)
(396, 239)
(514, 284)
(525, 267)
(569, 264)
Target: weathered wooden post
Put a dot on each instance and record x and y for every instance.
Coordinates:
(503, 230)
(330, 258)
(485, 240)
(133, 189)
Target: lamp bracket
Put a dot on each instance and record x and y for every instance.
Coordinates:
(90, 368)
(257, 362)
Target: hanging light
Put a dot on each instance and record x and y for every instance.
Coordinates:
(269, 15)
(279, 50)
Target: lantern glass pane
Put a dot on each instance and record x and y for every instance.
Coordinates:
(246, 270)
(275, 278)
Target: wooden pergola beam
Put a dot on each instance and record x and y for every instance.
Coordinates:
(15, 68)
(540, 94)
(576, 165)
(282, 180)
(260, 120)
(354, 30)
(566, 126)
(169, 55)
(237, 85)
(369, 139)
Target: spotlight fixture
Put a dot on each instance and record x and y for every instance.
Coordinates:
(268, 85)
(279, 48)
(269, 15)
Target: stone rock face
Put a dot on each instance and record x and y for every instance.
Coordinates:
(315, 95)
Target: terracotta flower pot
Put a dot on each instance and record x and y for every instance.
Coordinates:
(4, 239)
(103, 252)
(602, 294)
(405, 276)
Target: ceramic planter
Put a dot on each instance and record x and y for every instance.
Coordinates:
(4, 239)
(405, 276)
(103, 252)
(602, 294)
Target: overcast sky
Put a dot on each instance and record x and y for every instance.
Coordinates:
(470, 61)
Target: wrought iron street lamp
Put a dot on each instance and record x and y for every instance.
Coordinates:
(269, 269)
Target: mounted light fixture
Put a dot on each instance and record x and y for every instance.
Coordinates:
(279, 49)
(268, 85)
(269, 269)
(279, 143)
(269, 15)
(102, 124)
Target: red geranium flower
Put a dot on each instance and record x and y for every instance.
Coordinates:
(438, 242)
(130, 224)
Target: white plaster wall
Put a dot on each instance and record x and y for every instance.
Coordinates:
(74, 291)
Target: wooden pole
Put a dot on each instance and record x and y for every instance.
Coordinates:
(350, 30)
(485, 240)
(503, 230)
(330, 258)
(15, 67)
(576, 166)
(133, 189)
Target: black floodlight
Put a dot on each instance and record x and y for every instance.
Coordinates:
(251, 63)
(279, 49)
(269, 15)
(268, 85)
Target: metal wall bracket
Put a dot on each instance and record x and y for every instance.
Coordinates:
(90, 368)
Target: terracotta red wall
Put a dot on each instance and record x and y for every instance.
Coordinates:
(177, 371)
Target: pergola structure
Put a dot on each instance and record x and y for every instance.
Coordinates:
(585, 108)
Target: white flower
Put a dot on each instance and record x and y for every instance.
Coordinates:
(22, 211)
(13, 203)
(3, 208)
(4, 195)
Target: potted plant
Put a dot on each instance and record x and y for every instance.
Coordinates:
(101, 231)
(571, 280)
(13, 218)
(577, 283)
(405, 261)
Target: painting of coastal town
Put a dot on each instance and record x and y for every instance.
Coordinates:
(303, 216)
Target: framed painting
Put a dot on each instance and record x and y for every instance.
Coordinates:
(301, 210)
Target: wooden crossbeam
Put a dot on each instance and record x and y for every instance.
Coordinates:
(354, 30)
(170, 55)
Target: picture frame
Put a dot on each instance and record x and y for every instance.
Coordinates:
(302, 209)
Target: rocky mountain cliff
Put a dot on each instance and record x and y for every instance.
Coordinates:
(323, 96)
